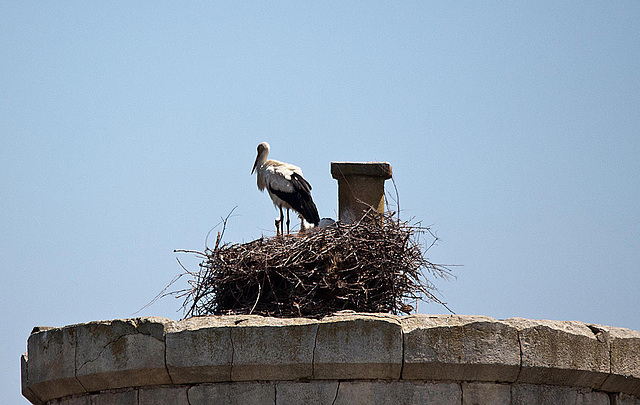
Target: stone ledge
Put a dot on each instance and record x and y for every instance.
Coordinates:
(240, 348)
(365, 392)
(121, 353)
(625, 359)
(459, 348)
(565, 353)
(51, 364)
(363, 346)
(200, 350)
(144, 353)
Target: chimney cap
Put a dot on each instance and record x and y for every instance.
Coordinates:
(373, 169)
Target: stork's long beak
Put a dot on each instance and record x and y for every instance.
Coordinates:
(255, 165)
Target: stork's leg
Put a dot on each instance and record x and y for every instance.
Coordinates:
(287, 221)
(281, 222)
(278, 222)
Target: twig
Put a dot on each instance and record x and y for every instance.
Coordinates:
(161, 294)
(190, 251)
(223, 221)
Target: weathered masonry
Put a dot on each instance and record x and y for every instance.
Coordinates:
(360, 187)
(347, 358)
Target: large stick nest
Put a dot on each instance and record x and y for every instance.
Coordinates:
(375, 265)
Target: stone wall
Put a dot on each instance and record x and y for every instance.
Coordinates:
(347, 358)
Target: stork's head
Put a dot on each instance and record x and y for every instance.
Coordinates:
(263, 152)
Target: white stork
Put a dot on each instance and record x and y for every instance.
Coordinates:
(286, 187)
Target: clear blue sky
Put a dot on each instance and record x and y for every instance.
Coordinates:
(129, 129)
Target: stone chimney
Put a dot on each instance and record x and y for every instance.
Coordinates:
(360, 186)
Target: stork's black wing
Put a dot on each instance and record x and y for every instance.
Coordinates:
(300, 199)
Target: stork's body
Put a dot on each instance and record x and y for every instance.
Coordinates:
(286, 187)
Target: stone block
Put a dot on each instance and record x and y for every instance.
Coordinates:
(51, 371)
(121, 353)
(486, 394)
(26, 391)
(527, 394)
(625, 399)
(625, 360)
(124, 397)
(358, 346)
(561, 352)
(173, 395)
(397, 392)
(552, 395)
(307, 393)
(459, 348)
(238, 393)
(75, 400)
(589, 397)
(200, 349)
(273, 349)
